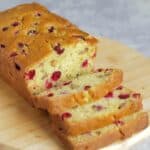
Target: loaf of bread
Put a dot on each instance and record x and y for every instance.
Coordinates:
(94, 139)
(97, 114)
(38, 49)
(78, 91)
(50, 62)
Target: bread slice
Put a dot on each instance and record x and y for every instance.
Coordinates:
(78, 91)
(92, 140)
(97, 114)
(39, 47)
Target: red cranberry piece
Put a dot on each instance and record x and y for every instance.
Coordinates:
(136, 95)
(119, 88)
(97, 107)
(50, 95)
(87, 87)
(51, 29)
(30, 75)
(99, 70)
(48, 84)
(15, 24)
(67, 83)
(56, 75)
(21, 45)
(118, 122)
(85, 63)
(109, 95)
(17, 66)
(58, 49)
(2, 46)
(13, 54)
(65, 115)
(38, 14)
(124, 96)
(4, 28)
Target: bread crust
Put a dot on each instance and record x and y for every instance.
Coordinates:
(21, 17)
(124, 131)
(14, 26)
(75, 128)
(56, 105)
(134, 125)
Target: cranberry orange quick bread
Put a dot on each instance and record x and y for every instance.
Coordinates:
(38, 48)
(99, 113)
(78, 91)
(101, 137)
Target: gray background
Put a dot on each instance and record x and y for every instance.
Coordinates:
(125, 20)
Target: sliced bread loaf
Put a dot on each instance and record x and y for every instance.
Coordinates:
(97, 114)
(101, 137)
(37, 46)
(78, 91)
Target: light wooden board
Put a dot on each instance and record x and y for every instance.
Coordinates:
(26, 128)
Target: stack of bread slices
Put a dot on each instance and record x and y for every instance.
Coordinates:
(50, 62)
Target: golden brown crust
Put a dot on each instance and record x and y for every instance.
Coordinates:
(134, 125)
(92, 144)
(75, 128)
(129, 128)
(59, 104)
(29, 24)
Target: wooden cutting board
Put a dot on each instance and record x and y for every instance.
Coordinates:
(26, 128)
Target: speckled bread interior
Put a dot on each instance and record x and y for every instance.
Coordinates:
(78, 91)
(95, 139)
(114, 105)
(39, 48)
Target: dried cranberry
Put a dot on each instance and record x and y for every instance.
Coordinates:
(109, 95)
(65, 115)
(97, 107)
(118, 122)
(30, 75)
(48, 84)
(17, 66)
(38, 14)
(13, 54)
(119, 88)
(87, 87)
(2, 46)
(56, 75)
(20, 45)
(51, 29)
(124, 96)
(136, 95)
(58, 49)
(15, 24)
(85, 63)
(99, 70)
(4, 28)
(67, 83)
(50, 95)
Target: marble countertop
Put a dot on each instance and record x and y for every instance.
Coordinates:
(127, 21)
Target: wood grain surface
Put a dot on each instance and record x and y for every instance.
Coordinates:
(26, 128)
